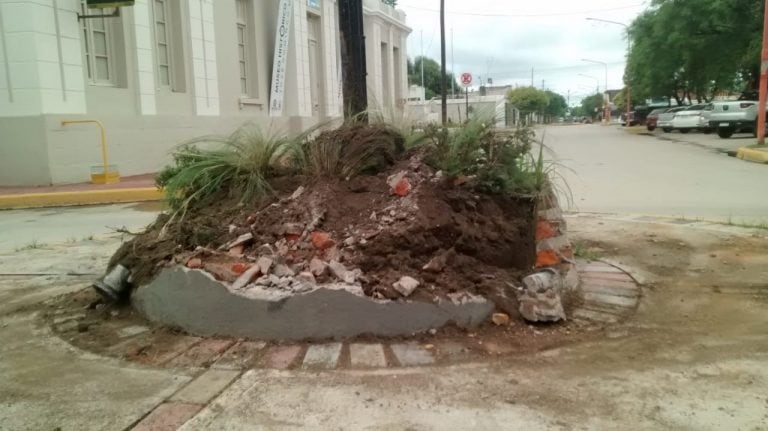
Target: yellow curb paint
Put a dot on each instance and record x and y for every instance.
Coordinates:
(753, 154)
(75, 198)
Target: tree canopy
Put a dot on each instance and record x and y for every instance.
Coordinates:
(528, 99)
(692, 49)
(556, 105)
(591, 104)
(431, 76)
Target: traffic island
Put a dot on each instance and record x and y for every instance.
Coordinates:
(362, 237)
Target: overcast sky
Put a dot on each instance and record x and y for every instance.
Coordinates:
(504, 39)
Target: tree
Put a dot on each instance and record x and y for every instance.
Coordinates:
(592, 104)
(431, 75)
(686, 49)
(528, 99)
(556, 106)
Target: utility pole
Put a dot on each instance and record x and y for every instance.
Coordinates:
(453, 70)
(353, 57)
(543, 81)
(444, 107)
(763, 81)
(531, 76)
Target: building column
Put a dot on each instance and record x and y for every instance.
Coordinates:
(331, 51)
(205, 75)
(145, 71)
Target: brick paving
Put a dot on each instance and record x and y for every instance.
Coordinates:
(610, 294)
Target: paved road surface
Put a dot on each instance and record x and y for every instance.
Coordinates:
(613, 171)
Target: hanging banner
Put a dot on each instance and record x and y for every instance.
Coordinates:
(280, 61)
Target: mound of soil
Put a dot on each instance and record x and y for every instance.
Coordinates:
(370, 231)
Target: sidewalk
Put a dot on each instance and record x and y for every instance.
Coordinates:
(130, 189)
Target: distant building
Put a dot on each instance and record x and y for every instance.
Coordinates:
(416, 93)
(164, 71)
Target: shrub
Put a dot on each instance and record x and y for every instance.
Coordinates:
(240, 165)
(351, 149)
(500, 161)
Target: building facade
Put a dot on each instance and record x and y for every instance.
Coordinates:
(165, 71)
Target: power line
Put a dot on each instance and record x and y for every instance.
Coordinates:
(522, 15)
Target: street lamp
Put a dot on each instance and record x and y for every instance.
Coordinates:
(629, 46)
(597, 80)
(606, 99)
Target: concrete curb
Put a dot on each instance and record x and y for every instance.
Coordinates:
(195, 302)
(753, 154)
(76, 198)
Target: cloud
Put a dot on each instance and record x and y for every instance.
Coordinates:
(505, 48)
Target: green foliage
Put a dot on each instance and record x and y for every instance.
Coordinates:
(239, 164)
(528, 99)
(557, 105)
(431, 76)
(351, 149)
(590, 103)
(692, 49)
(501, 162)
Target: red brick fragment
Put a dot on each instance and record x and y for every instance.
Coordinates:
(545, 230)
(321, 240)
(402, 188)
(239, 267)
(547, 258)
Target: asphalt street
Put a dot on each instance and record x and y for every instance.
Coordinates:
(611, 171)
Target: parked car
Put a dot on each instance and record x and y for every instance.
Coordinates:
(665, 120)
(694, 117)
(652, 119)
(733, 116)
(632, 119)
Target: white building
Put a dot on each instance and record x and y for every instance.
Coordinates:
(165, 71)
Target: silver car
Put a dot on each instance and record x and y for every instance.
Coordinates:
(665, 119)
(694, 117)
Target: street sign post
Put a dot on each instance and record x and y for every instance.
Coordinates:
(466, 81)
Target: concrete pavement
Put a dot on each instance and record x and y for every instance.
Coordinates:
(611, 171)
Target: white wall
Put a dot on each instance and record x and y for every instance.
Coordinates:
(43, 81)
(40, 58)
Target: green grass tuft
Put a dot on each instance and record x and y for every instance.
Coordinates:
(240, 164)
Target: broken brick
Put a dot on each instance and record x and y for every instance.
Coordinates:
(545, 230)
(321, 240)
(239, 267)
(195, 263)
(290, 237)
(221, 271)
(547, 258)
(402, 188)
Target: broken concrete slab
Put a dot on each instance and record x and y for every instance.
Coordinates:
(197, 303)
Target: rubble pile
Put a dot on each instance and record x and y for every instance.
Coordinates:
(407, 233)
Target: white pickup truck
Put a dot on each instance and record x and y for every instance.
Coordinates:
(733, 116)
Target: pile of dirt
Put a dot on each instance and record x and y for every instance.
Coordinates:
(406, 232)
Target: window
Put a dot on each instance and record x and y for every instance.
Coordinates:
(163, 42)
(242, 45)
(97, 39)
